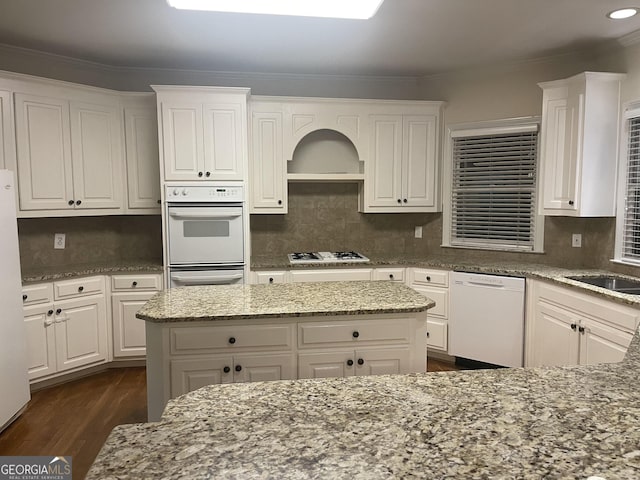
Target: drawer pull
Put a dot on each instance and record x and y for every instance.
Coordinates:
(361, 361)
(80, 289)
(134, 284)
(226, 369)
(391, 276)
(232, 340)
(238, 368)
(24, 297)
(428, 278)
(356, 334)
(270, 279)
(428, 334)
(350, 362)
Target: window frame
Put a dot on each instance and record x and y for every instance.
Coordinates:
(511, 125)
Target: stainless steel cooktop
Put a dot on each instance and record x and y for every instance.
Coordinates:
(327, 257)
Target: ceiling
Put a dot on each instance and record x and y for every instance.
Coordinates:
(405, 37)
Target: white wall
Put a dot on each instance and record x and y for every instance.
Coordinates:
(624, 60)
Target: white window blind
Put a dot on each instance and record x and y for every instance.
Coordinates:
(494, 190)
(631, 225)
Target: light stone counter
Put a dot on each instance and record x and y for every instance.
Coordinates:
(83, 270)
(560, 423)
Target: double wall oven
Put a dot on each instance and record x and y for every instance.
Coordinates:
(205, 234)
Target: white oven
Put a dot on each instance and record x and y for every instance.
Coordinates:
(205, 234)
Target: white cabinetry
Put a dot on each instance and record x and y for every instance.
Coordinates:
(69, 153)
(66, 326)
(129, 294)
(143, 164)
(268, 169)
(389, 273)
(203, 133)
(433, 284)
(402, 174)
(579, 145)
(330, 274)
(566, 327)
(7, 136)
(267, 276)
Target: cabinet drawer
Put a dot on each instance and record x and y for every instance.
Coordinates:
(393, 274)
(40, 293)
(270, 277)
(205, 339)
(79, 287)
(423, 276)
(337, 275)
(437, 334)
(135, 282)
(438, 295)
(354, 332)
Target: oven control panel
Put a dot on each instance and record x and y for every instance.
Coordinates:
(202, 193)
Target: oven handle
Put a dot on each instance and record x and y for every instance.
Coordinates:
(210, 279)
(218, 213)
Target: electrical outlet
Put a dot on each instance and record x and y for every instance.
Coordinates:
(576, 240)
(59, 240)
(418, 233)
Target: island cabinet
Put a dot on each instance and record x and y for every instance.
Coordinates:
(66, 326)
(434, 284)
(566, 327)
(579, 145)
(203, 132)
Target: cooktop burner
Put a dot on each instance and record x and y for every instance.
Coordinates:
(327, 257)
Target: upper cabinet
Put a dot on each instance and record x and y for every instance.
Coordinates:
(402, 173)
(203, 132)
(69, 152)
(141, 140)
(579, 145)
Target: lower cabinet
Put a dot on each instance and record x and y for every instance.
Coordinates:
(346, 363)
(63, 335)
(433, 284)
(570, 328)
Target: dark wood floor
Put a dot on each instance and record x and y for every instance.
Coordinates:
(76, 418)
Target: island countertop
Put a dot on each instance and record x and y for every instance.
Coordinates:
(227, 302)
(525, 423)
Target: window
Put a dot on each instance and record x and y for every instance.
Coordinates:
(493, 180)
(628, 218)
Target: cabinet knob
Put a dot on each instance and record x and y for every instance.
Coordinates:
(49, 313)
(361, 361)
(134, 284)
(232, 340)
(391, 276)
(226, 369)
(78, 202)
(199, 174)
(71, 202)
(208, 174)
(159, 202)
(399, 201)
(24, 297)
(238, 368)
(279, 202)
(350, 362)
(581, 330)
(570, 202)
(80, 288)
(356, 334)
(404, 200)
(428, 334)
(428, 278)
(58, 311)
(573, 327)
(270, 279)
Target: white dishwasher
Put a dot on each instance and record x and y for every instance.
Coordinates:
(486, 321)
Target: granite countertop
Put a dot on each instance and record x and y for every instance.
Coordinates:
(48, 274)
(529, 423)
(226, 302)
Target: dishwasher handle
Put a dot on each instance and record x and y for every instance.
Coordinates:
(476, 283)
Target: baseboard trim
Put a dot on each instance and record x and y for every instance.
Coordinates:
(442, 356)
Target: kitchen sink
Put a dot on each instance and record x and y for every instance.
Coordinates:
(617, 284)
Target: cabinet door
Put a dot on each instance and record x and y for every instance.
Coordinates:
(41, 346)
(261, 368)
(224, 141)
(555, 342)
(383, 361)
(7, 137)
(96, 146)
(419, 164)
(129, 338)
(81, 332)
(602, 344)
(384, 178)
(326, 364)
(188, 375)
(182, 140)
(268, 169)
(143, 167)
(44, 153)
(437, 334)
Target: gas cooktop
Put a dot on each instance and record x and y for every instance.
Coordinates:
(326, 257)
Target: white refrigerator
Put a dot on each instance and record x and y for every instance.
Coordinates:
(14, 381)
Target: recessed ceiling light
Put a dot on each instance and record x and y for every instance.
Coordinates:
(357, 9)
(622, 13)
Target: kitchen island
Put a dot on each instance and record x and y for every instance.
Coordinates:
(205, 335)
(560, 422)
